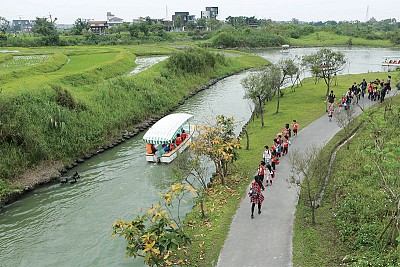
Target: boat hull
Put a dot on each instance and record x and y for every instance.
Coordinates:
(169, 157)
(387, 67)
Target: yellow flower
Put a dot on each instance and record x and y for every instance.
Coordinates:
(176, 187)
(149, 247)
(191, 189)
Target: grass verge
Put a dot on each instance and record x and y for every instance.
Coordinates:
(305, 104)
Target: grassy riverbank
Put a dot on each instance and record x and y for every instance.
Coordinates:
(70, 111)
(305, 105)
(356, 208)
(322, 38)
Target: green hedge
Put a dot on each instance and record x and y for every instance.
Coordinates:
(247, 38)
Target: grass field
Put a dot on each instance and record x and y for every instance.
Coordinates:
(322, 38)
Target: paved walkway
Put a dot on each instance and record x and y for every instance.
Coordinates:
(266, 240)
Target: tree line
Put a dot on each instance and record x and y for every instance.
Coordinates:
(203, 29)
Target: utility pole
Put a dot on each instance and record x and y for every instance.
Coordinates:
(367, 15)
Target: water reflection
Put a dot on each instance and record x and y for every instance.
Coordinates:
(360, 59)
(143, 63)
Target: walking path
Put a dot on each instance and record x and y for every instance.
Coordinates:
(266, 240)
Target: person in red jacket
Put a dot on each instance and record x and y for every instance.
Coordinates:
(183, 135)
(256, 196)
(295, 127)
(178, 140)
(286, 143)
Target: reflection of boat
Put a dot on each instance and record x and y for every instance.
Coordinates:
(163, 133)
(285, 48)
(391, 63)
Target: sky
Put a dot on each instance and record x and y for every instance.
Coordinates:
(67, 11)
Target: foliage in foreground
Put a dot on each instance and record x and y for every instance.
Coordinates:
(158, 235)
(219, 143)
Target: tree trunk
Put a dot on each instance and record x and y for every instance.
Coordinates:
(247, 139)
(203, 215)
(277, 105)
(313, 213)
(328, 83)
(260, 103)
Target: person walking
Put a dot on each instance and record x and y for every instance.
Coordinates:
(268, 177)
(256, 196)
(384, 91)
(261, 172)
(363, 85)
(267, 155)
(295, 127)
(330, 112)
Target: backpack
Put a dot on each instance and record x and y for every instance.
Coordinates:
(254, 191)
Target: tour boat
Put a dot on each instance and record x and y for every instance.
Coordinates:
(285, 48)
(163, 133)
(391, 63)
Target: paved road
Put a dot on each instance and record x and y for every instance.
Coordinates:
(266, 240)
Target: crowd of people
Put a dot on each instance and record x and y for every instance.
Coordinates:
(376, 90)
(268, 165)
(168, 147)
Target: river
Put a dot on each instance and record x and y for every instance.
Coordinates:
(70, 224)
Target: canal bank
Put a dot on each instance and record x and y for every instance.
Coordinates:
(49, 171)
(117, 183)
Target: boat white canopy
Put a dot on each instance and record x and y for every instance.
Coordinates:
(166, 129)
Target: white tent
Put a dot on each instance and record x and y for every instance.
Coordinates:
(165, 130)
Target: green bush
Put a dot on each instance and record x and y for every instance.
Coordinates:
(194, 60)
(64, 97)
(247, 38)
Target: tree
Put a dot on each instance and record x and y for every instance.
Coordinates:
(213, 24)
(178, 22)
(4, 24)
(134, 30)
(258, 90)
(157, 235)
(192, 169)
(202, 22)
(307, 168)
(343, 119)
(47, 30)
(80, 25)
(145, 28)
(288, 69)
(217, 141)
(325, 64)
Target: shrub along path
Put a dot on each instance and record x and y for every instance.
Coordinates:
(266, 240)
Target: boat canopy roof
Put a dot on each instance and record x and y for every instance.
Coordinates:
(166, 129)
